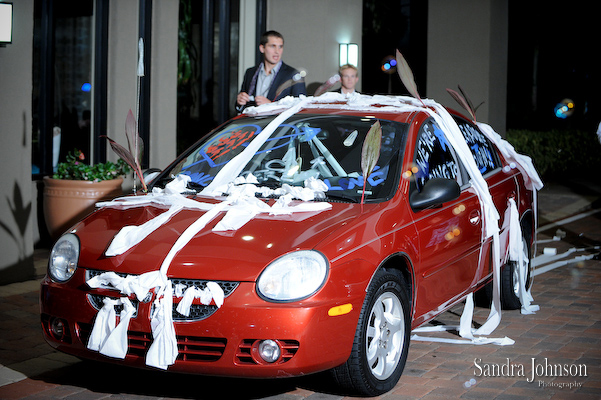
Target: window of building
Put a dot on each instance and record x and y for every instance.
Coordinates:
(63, 79)
(207, 67)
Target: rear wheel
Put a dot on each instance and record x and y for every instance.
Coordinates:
(510, 280)
(381, 341)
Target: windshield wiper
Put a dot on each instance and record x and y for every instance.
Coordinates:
(160, 183)
(341, 196)
(195, 186)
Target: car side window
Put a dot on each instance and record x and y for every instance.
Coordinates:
(434, 156)
(481, 148)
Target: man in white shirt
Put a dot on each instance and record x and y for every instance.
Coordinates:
(349, 76)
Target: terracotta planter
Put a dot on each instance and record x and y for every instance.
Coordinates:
(67, 201)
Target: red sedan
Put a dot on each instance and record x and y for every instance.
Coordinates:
(309, 235)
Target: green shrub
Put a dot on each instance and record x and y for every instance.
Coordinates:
(558, 153)
(74, 168)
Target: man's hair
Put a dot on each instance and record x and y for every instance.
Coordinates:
(266, 35)
(347, 66)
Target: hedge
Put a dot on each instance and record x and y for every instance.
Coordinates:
(558, 153)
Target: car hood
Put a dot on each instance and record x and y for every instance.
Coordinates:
(238, 255)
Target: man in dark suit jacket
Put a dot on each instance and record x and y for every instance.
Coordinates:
(272, 79)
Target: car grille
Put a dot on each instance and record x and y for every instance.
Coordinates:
(226, 286)
(190, 348)
(91, 273)
(198, 312)
(97, 301)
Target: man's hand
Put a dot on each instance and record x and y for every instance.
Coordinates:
(262, 100)
(242, 98)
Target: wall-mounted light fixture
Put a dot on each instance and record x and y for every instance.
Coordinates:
(6, 23)
(349, 54)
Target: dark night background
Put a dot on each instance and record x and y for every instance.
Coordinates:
(552, 56)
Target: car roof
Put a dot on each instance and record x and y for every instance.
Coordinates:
(389, 107)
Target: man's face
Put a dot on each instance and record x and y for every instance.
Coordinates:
(348, 78)
(272, 50)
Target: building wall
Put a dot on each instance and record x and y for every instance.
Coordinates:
(163, 107)
(122, 75)
(16, 210)
(467, 46)
(312, 30)
(247, 37)
(122, 67)
(21, 197)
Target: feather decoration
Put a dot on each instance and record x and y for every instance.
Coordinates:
(131, 156)
(134, 141)
(406, 76)
(462, 102)
(465, 102)
(370, 152)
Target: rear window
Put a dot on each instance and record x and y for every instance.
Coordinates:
(482, 149)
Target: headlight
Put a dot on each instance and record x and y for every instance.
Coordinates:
(294, 276)
(64, 258)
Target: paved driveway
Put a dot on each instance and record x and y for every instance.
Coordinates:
(566, 332)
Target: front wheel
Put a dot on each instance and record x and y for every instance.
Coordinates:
(381, 340)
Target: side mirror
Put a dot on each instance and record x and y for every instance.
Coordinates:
(435, 192)
(150, 174)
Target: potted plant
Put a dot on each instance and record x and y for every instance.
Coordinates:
(75, 187)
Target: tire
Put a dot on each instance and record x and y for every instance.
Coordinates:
(509, 280)
(382, 337)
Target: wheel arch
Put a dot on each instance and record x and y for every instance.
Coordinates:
(400, 263)
(527, 223)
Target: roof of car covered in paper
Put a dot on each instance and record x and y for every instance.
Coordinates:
(387, 106)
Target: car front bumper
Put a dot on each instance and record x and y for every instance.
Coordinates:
(313, 335)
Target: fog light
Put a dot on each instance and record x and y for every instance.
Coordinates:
(269, 351)
(57, 327)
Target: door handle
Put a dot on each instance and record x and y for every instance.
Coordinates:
(474, 217)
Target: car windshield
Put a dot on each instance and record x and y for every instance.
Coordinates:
(325, 147)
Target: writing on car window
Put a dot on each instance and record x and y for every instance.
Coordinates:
(479, 145)
(305, 147)
(433, 155)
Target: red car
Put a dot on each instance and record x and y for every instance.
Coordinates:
(263, 252)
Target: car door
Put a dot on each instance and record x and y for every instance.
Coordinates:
(450, 235)
(501, 182)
